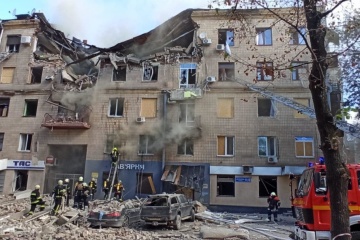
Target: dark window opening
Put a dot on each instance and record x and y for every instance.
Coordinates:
(226, 71)
(174, 200)
(265, 107)
(13, 43)
(119, 74)
(4, 106)
(151, 73)
(226, 36)
(36, 74)
(146, 144)
(30, 108)
(267, 185)
(1, 141)
(21, 180)
(145, 183)
(226, 185)
(116, 108)
(25, 142)
(186, 147)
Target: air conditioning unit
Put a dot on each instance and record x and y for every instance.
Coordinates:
(272, 159)
(206, 41)
(26, 39)
(220, 47)
(248, 169)
(140, 119)
(211, 79)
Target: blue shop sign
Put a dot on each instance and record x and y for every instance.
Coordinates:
(25, 165)
(242, 179)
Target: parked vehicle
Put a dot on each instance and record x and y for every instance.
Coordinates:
(125, 215)
(311, 205)
(167, 209)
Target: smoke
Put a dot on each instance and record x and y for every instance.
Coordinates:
(106, 23)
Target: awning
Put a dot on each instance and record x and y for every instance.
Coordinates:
(184, 175)
(296, 170)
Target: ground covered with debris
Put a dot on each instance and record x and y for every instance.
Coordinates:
(72, 224)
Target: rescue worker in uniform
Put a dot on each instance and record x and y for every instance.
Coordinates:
(92, 188)
(273, 206)
(59, 194)
(114, 155)
(68, 191)
(79, 193)
(118, 190)
(106, 188)
(85, 197)
(36, 199)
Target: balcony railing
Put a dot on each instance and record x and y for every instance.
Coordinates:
(64, 122)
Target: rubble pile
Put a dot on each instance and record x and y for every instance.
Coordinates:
(111, 206)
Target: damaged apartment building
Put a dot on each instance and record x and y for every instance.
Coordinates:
(174, 101)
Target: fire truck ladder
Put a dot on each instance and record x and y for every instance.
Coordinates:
(112, 175)
(341, 124)
(5, 55)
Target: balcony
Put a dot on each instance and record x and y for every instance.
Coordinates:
(64, 122)
(185, 94)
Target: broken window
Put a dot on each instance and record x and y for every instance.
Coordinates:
(267, 185)
(30, 107)
(150, 73)
(7, 74)
(264, 71)
(304, 147)
(267, 146)
(295, 36)
(146, 144)
(1, 141)
(226, 71)
(119, 74)
(25, 142)
(4, 107)
(145, 183)
(148, 107)
(13, 43)
(302, 101)
(186, 147)
(225, 185)
(187, 114)
(298, 71)
(225, 145)
(187, 75)
(116, 107)
(36, 73)
(226, 36)
(225, 108)
(266, 107)
(263, 36)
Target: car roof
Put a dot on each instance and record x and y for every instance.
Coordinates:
(165, 195)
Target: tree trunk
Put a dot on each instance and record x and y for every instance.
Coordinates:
(337, 174)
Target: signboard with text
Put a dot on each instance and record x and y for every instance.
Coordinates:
(243, 179)
(25, 165)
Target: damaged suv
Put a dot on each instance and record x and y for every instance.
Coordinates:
(167, 209)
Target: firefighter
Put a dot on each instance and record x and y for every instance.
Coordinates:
(59, 194)
(92, 188)
(79, 193)
(273, 206)
(68, 191)
(118, 190)
(114, 155)
(36, 199)
(106, 188)
(85, 197)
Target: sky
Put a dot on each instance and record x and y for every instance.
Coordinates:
(103, 23)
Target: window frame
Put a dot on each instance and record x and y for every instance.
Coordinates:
(33, 78)
(222, 74)
(148, 150)
(114, 79)
(188, 68)
(155, 72)
(3, 77)
(221, 111)
(2, 136)
(272, 110)
(24, 142)
(304, 140)
(116, 107)
(295, 36)
(262, 32)
(186, 144)
(229, 33)
(225, 179)
(27, 102)
(295, 67)
(144, 111)
(187, 113)
(226, 144)
(141, 176)
(268, 148)
(261, 69)
(4, 105)
(15, 46)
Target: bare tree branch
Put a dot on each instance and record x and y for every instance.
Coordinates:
(331, 10)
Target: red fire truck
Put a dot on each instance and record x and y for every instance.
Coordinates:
(311, 204)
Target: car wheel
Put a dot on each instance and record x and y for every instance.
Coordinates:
(192, 215)
(126, 222)
(177, 225)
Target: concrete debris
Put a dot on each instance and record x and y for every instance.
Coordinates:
(111, 206)
(207, 232)
(23, 194)
(199, 208)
